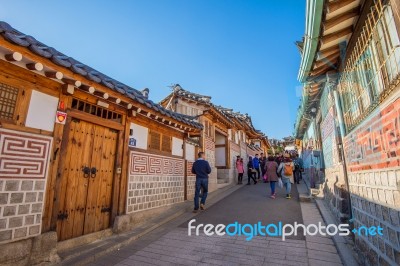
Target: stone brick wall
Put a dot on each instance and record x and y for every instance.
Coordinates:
(375, 201)
(233, 175)
(334, 185)
(191, 180)
(210, 156)
(372, 153)
(154, 181)
(24, 162)
(336, 194)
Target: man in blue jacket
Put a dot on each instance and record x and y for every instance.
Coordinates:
(201, 168)
(256, 165)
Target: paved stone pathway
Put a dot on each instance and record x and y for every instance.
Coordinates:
(171, 245)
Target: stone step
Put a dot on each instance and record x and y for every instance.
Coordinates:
(222, 180)
(305, 197)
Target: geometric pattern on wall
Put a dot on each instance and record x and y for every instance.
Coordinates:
(150, 164)
(23, 155)
(209, 143)
(375, 144)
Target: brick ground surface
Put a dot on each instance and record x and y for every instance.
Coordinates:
(171, 245)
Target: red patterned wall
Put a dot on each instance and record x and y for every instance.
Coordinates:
(376, 143)
(150, 164)
(235, 147)
(209, 144)
(189, 165)
(23, 155)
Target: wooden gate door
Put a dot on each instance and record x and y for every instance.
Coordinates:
(87, 175)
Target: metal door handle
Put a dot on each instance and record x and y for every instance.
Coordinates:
(86, 171)
(93, 172)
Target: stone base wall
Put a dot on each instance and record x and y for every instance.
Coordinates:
(375, 201)
(212, 178)
(336, 194)
(154, 181)
(191, 181)
(24, 160)
(372, 152)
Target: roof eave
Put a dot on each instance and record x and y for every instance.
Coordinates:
(313, 27)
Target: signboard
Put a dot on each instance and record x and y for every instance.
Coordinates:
(61, 117)
(132, 142)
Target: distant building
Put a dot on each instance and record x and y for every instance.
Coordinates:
(226, 135)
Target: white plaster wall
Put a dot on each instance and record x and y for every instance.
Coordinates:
(219, 139)
(190, 152)
(220, 156)
(42, 111)
(140, 133)
(177, 145)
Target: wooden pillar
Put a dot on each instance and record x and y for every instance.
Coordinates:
(55, 155)
(125, 170)
(185, 178)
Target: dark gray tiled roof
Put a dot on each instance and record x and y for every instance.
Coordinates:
(38, 48)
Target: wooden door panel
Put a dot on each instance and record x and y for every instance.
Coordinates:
(81, 182)
(61, 224)
(100, 187)
(93, 189)
(75, 183)
(107, 166)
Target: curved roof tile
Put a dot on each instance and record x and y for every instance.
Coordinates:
(18, 38)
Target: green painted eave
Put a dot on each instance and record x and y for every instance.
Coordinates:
(313, 26)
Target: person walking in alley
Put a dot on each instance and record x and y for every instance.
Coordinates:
(298, 168)
(250, 171)
(271, 168)
(201, 168)
(285, 169)
(263, 161)
(240, 169)
(256, 165)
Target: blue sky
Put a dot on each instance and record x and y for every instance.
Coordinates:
(240, 52)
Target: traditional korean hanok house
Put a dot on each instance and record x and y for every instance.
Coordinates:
(225, 133)
(80, 153)
(350, 69)
(214, 138)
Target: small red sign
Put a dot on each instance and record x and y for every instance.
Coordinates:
(61, 105)
(61, 117)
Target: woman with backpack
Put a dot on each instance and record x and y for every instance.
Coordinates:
(271, 168)
(285, 169)
(251, 171)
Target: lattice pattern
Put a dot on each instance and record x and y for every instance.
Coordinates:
(149, 164)
(8, 101)
(96, 110)
(23, 155)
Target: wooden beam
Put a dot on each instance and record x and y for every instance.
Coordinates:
(54, 74)
(336, 35)
(340, 18)
(72, 82)
(35, 66)
(87, 88)
(332, 59)
(333, 6)
(319, 71)
(327, 52)
(13, 57)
